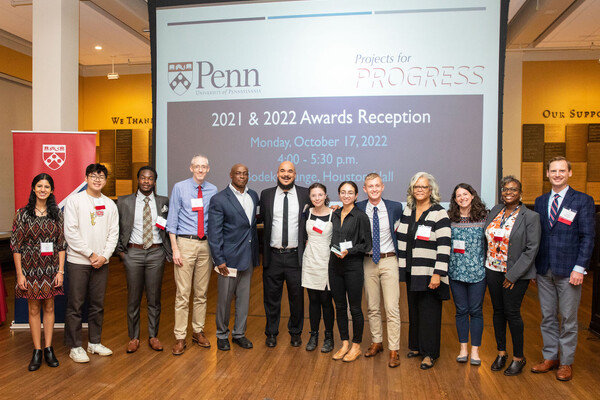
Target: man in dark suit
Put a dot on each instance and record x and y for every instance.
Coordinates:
(233, 244)
(567, 219)
(143, 247)
(283, 213)
(381, 268)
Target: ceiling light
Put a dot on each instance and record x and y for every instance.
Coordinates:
(98, 47)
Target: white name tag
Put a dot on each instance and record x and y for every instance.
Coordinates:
(499, 234)
(99, 204)
(161, 223)
(459, 246)
(567, 216)
(47, 248)
(257, 210)
(319, 226)
(423, 232)
(197, 204)
(345, 245)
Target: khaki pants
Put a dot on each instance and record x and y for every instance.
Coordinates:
(195, 272)
(383, 277)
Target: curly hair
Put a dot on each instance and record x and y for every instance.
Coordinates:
(410, 193)
(478, 210)
(51, 207)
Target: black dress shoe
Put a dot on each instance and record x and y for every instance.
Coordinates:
(312, 342)
(515, 367)
(499, 363)
(271, 341)
(413, 354)
(36, 360)
(243, 342)
(223, 344)
(50, 357)
(296, 340)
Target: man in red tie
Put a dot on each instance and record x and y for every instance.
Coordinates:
(187, 225)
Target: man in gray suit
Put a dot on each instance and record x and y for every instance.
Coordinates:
(233, 244)
(143, 247)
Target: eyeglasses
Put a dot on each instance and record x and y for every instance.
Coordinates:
(197, 167)
(348, 193)
(423, 188)
(98, 178)
(510, 190)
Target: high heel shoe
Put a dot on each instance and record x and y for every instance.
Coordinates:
(36, 360)
(50, 357)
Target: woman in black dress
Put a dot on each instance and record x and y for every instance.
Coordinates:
(350, 241)
(38, 245)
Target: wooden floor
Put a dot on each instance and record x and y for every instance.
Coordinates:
(283, 372)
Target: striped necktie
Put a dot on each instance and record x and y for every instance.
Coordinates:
(554, 210)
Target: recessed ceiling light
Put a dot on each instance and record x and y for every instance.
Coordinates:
(98, 47)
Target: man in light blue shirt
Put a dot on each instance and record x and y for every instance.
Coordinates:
(187, 225)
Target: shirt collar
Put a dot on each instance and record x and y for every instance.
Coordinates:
(280, 191)
(141, 196)
(237, 191)
(562, 193)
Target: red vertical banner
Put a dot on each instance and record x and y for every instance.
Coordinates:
(62, 155)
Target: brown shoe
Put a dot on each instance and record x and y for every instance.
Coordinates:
(200, 339)
(179, 347)
(351, 356)
(564, 373)
(545, 366)
(394, 359)
(374, 348)
(155, 344)
(340, 354)
(133, 345)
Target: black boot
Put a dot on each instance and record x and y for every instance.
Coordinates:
(312, 342)
(50, 357)
(327, 343)
(36, 360)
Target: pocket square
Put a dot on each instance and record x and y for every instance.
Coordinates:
(164, 209)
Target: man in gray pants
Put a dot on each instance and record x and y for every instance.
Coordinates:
(143, 247)
(233, 244)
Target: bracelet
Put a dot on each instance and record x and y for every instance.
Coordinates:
(61, 272)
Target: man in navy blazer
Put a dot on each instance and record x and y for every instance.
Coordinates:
(282, 210)
(233, 244)
(567, 219)
(381, 268)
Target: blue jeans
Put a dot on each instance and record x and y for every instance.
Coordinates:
(468, 299)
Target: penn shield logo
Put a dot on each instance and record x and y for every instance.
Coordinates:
(54, 155)
(180, 76)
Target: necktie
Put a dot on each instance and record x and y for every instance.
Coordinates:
(554, 210)
(147, 224)
(376, 246)
(200, 216)
(284, 230)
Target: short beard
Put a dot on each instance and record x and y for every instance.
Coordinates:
(285, 187)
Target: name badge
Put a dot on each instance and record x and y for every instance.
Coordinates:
(345, 245)
(99, 213)
(161, 223)
(47, 248)
(197, 204)
(319, 226)
(459, 246)
(567, 216)
(423, 232)
(99, 204)
(499, 234)
(257, 210)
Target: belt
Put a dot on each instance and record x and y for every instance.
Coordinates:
(194, 237)
(141, 246)
(284, 251)
(383, 255)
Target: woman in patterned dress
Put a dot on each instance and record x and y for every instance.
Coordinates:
(38, 246)
(467, 270)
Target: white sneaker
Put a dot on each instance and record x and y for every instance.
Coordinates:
(78, 355)
(98, 348)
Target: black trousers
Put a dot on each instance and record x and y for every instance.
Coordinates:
(88, 282)
(424, 322)
(507, 308)
(317, 300)
(284, 267)
(348, 282)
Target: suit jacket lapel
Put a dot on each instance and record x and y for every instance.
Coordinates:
(236, 203)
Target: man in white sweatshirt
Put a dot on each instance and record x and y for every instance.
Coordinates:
(92, 231)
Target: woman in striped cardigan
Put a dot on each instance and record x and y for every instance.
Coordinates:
(423, 234)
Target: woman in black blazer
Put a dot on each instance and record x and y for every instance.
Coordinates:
(513, 237)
